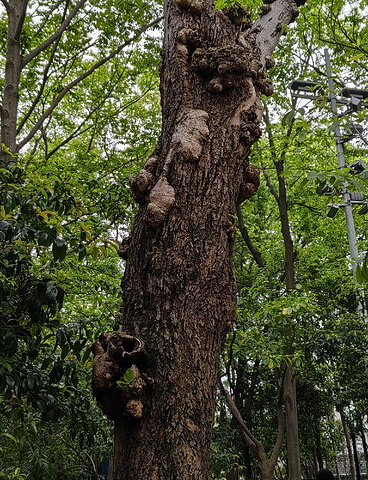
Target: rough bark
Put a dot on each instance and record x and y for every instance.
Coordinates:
(16, 11)
(179, 292)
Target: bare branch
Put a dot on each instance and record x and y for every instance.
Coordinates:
(75, 82)
(251, 441)
(269, 184)
(55, 36)
(244, 231)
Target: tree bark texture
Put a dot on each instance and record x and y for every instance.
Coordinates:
(179, 291)
(291, 419)
(9, 102)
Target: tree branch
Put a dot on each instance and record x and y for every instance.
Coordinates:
(270, 26)
(80, 130)
(75, 82)
(47, 16)
(43, 84)
(55, 36)
(269, 184)
(312, 209)
(21, 20)
(280, 434)
(251, 441)
(244, 231)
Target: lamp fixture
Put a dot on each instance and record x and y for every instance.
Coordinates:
(304, 86)
(356, 97)
(334, 208)
(354, 92)
(363, 210)
(352, 131)
(325, 190)
(357, 167)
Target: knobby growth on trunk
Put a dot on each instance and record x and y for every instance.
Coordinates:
(179, 292)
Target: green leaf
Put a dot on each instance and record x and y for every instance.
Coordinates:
(356, 57)
(129, 375)
(59, 249)
(8, 435)
(302, 136)
(288, 118)
(127, 379)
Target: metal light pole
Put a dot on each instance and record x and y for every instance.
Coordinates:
(346, 194)
(342, 164)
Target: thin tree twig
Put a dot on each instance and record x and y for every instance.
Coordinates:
(47, 16)
(244, 231)
(269, 184)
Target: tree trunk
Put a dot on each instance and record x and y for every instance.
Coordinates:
(348, 444)
(291, 415)
(233, 475)
(16, 10)
(365, 446)
(318, 451)
(179, 292)
(355, 452)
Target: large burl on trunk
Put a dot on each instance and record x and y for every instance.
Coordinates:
(179, 293)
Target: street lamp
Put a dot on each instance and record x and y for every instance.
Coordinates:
(356, 97)
(355, 100)
(355, 103)
(304, 86)
(357, 167)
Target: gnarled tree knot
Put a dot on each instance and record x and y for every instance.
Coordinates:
(114, 354)
(249, 184)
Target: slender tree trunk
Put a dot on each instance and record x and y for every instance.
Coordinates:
(179, 292)
(318, 451)
(292, 432)
(355, 452)
(365, 446)
(233, 475)
(348, 445)
(291, 413)
(9, 107)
